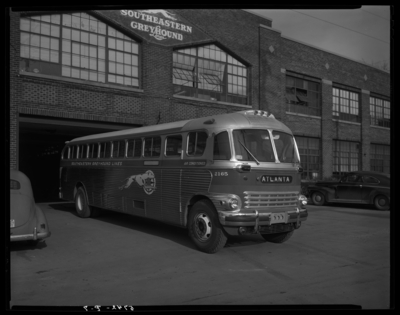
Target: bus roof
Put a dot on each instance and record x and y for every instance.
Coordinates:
(236, 120)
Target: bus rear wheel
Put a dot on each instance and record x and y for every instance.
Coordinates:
(204, 227)
(277, 237)
(81, 205)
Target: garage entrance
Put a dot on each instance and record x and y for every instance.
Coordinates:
(41, 140)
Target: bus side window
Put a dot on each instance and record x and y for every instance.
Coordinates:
(102, 149)
(196, 143)
(73, 152)
(173, 145)
(118, 149)
(115, 146)
(134, 148)
(65, 154)
(81, 151)
(222, 150)
(152, 146)
(107, 152)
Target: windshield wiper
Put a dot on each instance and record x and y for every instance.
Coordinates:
(248, 151)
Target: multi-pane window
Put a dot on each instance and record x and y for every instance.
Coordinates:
(380, 158)
(207, 72)
(380, 112)
(78, 46)
(303, 96)
(345, 157)
(310, 157)
(345, 105)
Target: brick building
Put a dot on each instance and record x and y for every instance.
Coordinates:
(79, 73)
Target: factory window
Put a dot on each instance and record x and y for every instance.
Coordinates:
(345, 157)
(380, 158)
(310, 157)
(303, 96)
(207, 72)
(345, 105)
(78, 46)
(380, 112)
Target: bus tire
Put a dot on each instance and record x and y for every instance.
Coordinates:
(277, 237)
(204, 227)
(81, 205)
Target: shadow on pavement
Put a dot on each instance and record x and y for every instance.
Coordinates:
(176, 234)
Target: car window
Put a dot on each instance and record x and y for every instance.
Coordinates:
(351, 179)
(370, 180)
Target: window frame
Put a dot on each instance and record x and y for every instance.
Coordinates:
(93, 28)
(381, 121)
(340, 155)
(293, 100)
(199, 71)
(343, 104)
(305, 157)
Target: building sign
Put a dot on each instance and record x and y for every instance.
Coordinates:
(160, 24)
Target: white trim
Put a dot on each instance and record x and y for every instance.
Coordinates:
(80, 81)
(270, 28)
(380, 127)
(327, 81)
(303, 115)
(366, 92)
(209, 101)
(347, 122)
(333, 53)
(283, 70)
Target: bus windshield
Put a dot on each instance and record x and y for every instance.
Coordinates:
(255, 145)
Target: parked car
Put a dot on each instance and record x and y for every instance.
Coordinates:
(27, 220)
(362, 187)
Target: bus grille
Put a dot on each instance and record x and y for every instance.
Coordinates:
(259, 200)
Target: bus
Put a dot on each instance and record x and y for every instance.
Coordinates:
(229, 174)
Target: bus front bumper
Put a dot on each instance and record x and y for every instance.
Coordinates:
(261, 221)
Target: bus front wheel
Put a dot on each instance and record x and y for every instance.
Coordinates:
(204, 227)
(81, 205)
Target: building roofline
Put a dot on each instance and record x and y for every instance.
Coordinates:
(259, 15)
(333, 53)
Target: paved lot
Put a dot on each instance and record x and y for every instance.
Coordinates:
(340, 255)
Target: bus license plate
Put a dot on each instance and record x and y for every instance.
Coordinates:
(12, 223)
(278, 218)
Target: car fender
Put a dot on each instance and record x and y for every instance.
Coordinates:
(40, 220)
(378, 191)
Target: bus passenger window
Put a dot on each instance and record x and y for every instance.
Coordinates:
(65, 154)
(107, 152)
(196, 143)
(73, 152)
(173, 145)
(81, 151)
(222, 149)
(134, 148)
(152, 146)
(118, 149)
(92, 153)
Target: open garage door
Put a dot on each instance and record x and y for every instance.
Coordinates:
(41, 140)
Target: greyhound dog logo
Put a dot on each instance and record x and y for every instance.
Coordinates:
(167, 14)
(146, 180)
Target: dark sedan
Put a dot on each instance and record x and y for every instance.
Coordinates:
(362, 187)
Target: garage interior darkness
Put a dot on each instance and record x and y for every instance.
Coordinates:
(41, 141)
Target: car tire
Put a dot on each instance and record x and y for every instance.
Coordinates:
(204, 228)
(318, 198)
(81, 204)
(381, 203)
(277, 237)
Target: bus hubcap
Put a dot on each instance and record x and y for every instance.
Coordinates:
(203, 226)
(382, 201)
(318, 198)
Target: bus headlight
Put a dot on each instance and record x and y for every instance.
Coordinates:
(302, 200)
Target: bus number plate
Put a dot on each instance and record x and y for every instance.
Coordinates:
(278, 218)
